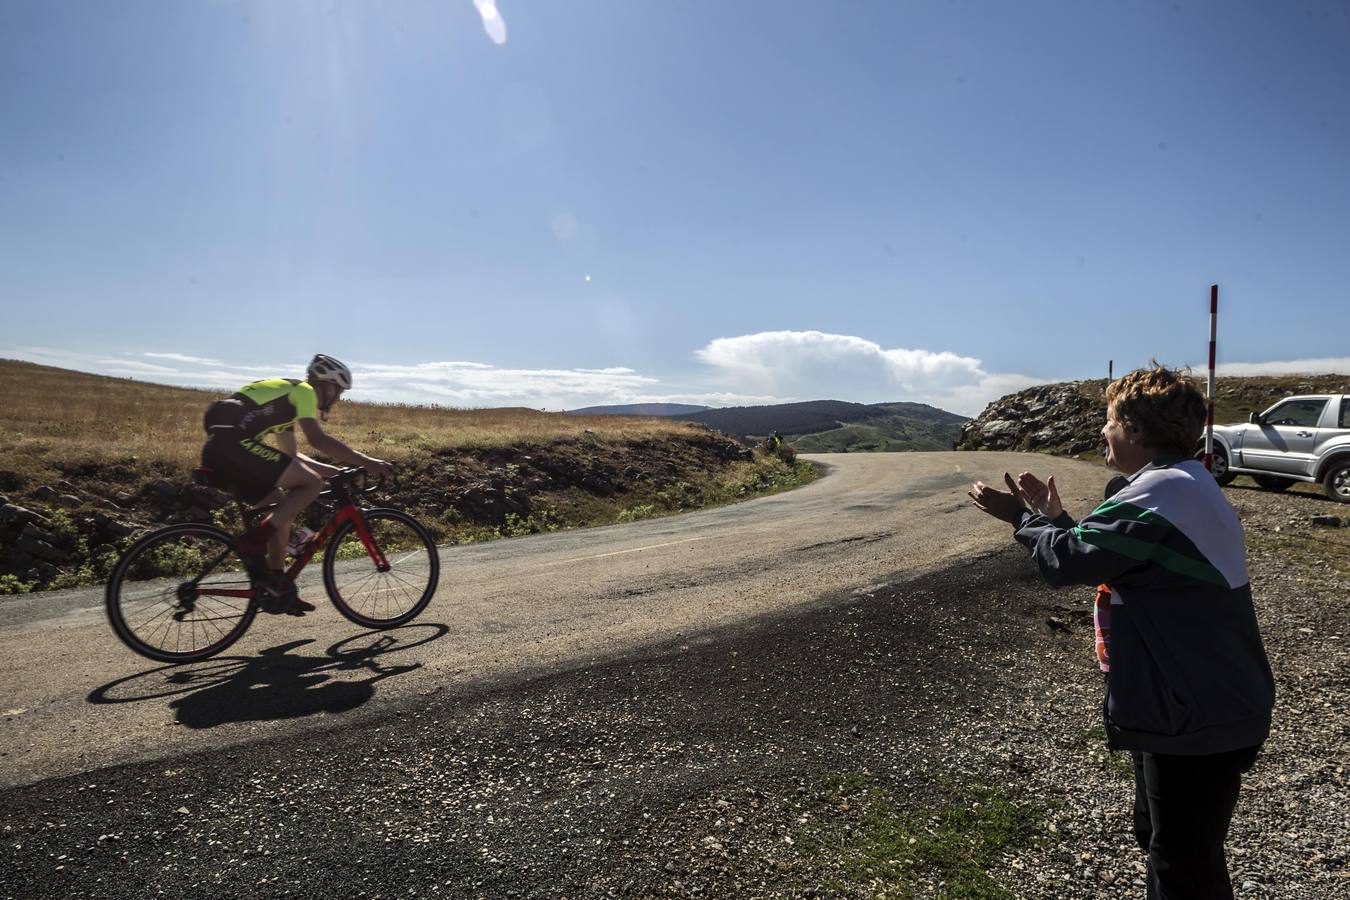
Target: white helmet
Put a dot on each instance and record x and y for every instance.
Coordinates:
(325, 368)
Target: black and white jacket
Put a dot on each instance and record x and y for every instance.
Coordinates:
(1189, 674)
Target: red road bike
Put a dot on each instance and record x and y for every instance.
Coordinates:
(183, 593)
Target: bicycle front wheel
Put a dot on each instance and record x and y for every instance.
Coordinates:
(180, 594)
(375, 595)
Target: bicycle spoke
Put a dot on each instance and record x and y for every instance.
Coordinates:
(401, 580)
(394, 592)
(211, 620)
(355, 589)
(168, 623)
(162, 612)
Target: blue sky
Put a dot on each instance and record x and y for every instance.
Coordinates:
(560, 204)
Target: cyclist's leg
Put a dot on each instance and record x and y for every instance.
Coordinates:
(301, 486)
(273, 496)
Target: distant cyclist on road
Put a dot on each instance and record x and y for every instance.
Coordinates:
(259, 473)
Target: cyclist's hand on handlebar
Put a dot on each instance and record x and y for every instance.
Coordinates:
(380, 467)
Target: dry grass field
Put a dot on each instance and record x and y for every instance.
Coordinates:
(55, 423)
(97, 460)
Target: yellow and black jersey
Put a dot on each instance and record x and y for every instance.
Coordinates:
(236, 425)
(263, 407)
(275, 404)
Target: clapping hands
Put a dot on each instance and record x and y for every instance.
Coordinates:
(1041, 496)
(1000, 505)
(1027, 490)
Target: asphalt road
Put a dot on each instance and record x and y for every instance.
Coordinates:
(74, 699)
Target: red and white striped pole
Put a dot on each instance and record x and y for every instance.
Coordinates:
(1209, 384)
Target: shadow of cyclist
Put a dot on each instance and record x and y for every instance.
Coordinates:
(277, 684)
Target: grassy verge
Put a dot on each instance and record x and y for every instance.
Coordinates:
(886, 846)
(764, 475)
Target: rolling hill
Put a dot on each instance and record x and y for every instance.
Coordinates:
(832, 426)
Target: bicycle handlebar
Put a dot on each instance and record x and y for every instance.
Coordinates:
(357, 478)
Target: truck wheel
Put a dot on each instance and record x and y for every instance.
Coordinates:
(1273, 482)
(1220, 470)
(1337, 481)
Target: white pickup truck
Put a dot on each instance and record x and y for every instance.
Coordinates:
(1304, 438)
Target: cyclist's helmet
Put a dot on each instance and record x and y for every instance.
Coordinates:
(325, 368)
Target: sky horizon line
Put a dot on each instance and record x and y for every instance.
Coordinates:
(478, 385)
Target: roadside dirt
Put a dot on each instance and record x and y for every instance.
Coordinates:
(748, 759)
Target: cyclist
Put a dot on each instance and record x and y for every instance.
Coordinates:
(260, 473)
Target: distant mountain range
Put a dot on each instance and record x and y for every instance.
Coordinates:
(639, 409)
(818, 426)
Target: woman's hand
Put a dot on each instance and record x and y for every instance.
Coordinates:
(1000, 505)
(1041, 496)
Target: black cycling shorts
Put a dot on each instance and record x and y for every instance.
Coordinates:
(250, 467)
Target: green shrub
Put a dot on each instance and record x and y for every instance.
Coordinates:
(677, 496)
(534, 523)
(637, 513)
(10, 584)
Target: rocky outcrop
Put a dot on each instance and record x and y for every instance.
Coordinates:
(78, 543)
(1051, 418)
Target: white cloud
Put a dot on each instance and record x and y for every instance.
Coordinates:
(179, 357)
(133, 367)
(1327, 365)
(493, 23)
(817, 365)
(476, 384)
(448, 383)
(710, 398)
(187, 374)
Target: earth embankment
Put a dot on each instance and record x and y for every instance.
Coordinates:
(90, 462)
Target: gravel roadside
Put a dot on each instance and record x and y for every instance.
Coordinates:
(853, 748)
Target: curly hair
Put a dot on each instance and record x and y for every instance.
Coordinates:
(1166, 408)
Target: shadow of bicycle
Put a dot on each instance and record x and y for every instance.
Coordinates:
(277, 683)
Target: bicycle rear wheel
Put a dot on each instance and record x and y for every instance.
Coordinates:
(180, 594)
(375, 596)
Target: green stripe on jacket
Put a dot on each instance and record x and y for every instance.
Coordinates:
(1134, 548)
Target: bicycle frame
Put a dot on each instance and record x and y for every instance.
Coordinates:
(347, 512)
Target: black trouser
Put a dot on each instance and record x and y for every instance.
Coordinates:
(1182, 806)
